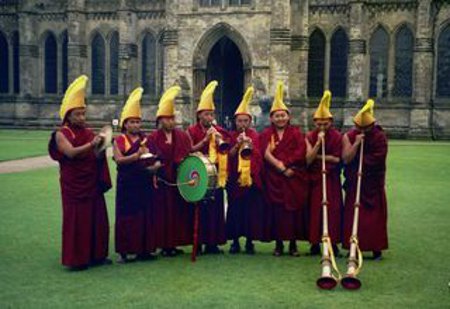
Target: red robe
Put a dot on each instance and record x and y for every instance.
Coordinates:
(333, 147)
(212, 219)
(173, 214)
(287, 196)
(247, 210)
(134, 207)
(372, 226)
(83, 179)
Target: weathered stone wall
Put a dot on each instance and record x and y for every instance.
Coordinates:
(271, 35)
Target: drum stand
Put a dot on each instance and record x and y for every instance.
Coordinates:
(195, 236)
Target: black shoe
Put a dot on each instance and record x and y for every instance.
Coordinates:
(235, 247)
(100, 262)
(293, 251)
(377, 256)
(123, 259)
(199, 250)
(172, 252)
(212, 249)
(166, 252)
(279, 248)
(336, 251)
(314, 250)
(249, 247)
(178, 251)
(145, 257)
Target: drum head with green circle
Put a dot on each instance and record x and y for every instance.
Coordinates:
(192, 168)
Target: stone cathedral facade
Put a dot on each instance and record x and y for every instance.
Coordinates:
(397, 52)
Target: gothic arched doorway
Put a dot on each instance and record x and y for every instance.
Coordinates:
(222, 54)
(225, 65)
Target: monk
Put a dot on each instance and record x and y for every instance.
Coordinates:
(205, 136)
(246, 212)
(285, 177)
(324, 130)
(84, 178)
(174, 220)
(134, 234)
(372, 227)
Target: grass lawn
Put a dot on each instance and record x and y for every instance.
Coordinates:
(17, 144)
(414, 273)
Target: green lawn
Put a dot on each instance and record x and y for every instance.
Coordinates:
(17, 144)
(414, 273)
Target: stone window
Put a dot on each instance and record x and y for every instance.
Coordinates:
(50, 64)
(404, 42)
(210, 2)
(316, 63)
(239, 2)
(4, 64)
(114, 63)
(338, 63)
(379, 44)
(149, 64)
(443, 64)
(64, 69)
(16, 68)
(98, 64)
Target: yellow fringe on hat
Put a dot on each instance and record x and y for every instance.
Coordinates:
(74, 96)
(166, 107)
(243, 108)
(323, 110)
(365, 116)
(207, 98)
(278, 104)
(132, 108)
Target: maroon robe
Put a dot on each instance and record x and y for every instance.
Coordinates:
(287, 196)
(247, 210)
(134, 207)
(372, 226)
(212, 219)
(172, 213)
(333, 147)
(83, 179)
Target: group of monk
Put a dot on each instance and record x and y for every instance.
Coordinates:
(273, 194)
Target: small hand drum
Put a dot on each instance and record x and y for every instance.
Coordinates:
(196, 178)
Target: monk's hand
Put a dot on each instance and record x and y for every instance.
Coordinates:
(321, 135)
(96, 140)
(240, 139)
(142, 150)
(157, 165)
(268, 150)
(155, 182)
(210, 132)
(280, 166)
(288, 173)
(359, 138)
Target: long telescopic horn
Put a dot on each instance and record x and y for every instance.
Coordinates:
(355, 259)
(327, 280)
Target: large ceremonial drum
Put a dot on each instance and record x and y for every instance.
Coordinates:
(196, 178)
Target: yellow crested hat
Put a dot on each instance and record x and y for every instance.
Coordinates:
(243, 108)
(323, 110)
(278, 104)
(207, 98)
(74, 96)
(132, 108)
(365, 115)
(166, 107)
